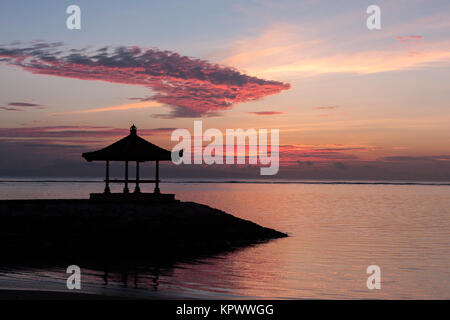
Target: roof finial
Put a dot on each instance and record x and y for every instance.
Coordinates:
(133, 130)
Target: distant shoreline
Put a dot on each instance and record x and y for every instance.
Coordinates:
(394, 183)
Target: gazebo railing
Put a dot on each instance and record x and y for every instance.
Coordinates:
(131, 181)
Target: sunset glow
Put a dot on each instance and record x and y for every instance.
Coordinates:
(337, 91)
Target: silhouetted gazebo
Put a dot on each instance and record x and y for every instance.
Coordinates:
(130, 148)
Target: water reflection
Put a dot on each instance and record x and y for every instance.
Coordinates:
(154, 276)
(336, 231)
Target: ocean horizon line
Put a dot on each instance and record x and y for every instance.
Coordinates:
(243, 181)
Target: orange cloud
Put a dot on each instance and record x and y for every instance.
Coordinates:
(128, 106)
(327, 108)
(266, 113)
(282, 51)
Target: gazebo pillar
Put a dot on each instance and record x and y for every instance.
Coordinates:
(125, 189)
(157, 177)
(107, 190)
(137, 189)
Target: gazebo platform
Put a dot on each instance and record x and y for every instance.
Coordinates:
(150, 197)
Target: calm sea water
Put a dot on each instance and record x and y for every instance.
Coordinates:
(336, 231)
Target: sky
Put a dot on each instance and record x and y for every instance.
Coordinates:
(350, 103)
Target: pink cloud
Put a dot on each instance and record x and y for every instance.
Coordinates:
(404, 39)
(192, 87)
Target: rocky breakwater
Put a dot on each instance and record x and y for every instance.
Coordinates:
(124, 230)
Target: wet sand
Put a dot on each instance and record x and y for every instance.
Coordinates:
(52, 295)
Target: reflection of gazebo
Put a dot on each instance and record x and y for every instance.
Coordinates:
(130, 148)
